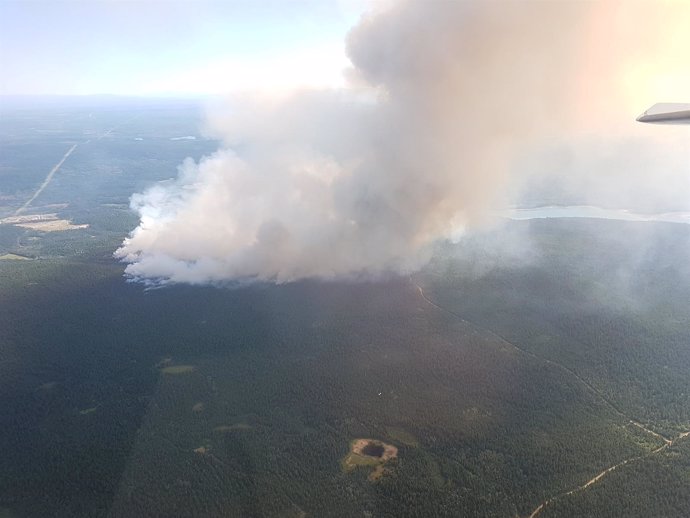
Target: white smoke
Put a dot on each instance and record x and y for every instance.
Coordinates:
(362, 181)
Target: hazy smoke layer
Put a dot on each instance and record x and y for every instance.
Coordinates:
(362, 181)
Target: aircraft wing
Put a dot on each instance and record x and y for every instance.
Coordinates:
(667, 113)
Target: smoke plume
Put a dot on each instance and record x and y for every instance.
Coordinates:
(446, 100)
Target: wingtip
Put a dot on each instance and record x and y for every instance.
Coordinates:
(666, 113)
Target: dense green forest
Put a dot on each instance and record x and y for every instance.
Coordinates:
(287, 376)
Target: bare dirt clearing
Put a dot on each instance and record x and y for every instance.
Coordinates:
(43, 222)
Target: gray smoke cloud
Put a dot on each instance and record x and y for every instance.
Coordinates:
(447, 99)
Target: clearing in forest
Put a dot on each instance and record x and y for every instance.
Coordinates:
(371, 453)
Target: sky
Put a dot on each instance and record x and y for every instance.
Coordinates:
(201, 47)
(167, 47)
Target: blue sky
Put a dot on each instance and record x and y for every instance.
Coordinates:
(171, 47)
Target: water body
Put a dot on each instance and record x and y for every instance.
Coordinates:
(588, 211)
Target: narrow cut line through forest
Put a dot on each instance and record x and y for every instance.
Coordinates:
(596, 478)
(584, 382)
(603, 473)
(57, 166)
(47, 180)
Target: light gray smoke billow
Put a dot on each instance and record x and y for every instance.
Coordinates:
(362, 181)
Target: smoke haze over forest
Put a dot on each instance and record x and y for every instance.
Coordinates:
(451, 110)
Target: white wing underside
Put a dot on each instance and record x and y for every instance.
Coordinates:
(667, 113)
